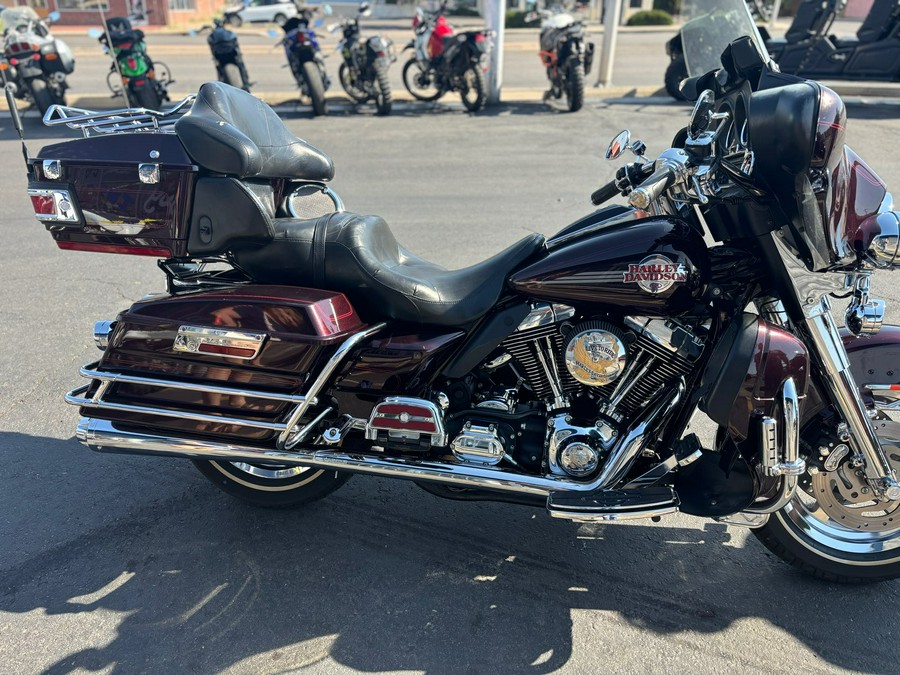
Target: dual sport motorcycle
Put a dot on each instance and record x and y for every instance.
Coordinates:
(34, 61)
(565, 54)
(446, 61)
(299, 343)
(364, 71)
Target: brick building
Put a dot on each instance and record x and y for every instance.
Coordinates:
(157, 12)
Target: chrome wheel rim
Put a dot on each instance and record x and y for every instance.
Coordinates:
(818, 529)
(270, 472)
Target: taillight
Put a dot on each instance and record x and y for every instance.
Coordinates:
(56, 206)
(479, 37)
(35, 57)
(132, 63)
(14, 62)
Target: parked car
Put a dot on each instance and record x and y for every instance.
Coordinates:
(271, 11)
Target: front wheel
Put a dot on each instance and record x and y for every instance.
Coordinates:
(833, 529)
(234, 20)
(270, 486)
(315, 88)
(382, 90)
(474, 90)
(41, 95)
(575, 85)
(675, 73)
(420, 82)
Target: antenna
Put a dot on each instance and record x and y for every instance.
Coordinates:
(16, 118)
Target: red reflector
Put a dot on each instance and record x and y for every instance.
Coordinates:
(14, 62)
(140, 82)
(479, 38)
(207, 348)
(404, 417)
(132, 63)
(43, 205)
(114, 248)
(35, 57)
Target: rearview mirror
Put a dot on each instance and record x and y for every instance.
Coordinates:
(53, 16)
(328, 10)
(272, 32)
(618, 145)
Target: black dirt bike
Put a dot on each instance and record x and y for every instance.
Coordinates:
(364, 71)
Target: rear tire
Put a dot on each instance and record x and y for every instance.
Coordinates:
(412, 80)
(41, 95)
(146, 97)
(271, 487)
(234, 20)
(575, 86)
(675, 73)
(279, 19)
(474, 92)
(231, 74)
(315, 87)
(383, 101)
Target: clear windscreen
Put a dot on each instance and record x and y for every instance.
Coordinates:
(17, 16)
(710, 26)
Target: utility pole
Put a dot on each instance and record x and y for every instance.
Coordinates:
(495, 17)
(612, 12)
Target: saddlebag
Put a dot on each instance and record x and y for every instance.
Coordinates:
(231, 363)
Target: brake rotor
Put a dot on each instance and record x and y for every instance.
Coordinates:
(846, 497)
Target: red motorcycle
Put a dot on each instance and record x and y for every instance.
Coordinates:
(299, 343)
(446, 61)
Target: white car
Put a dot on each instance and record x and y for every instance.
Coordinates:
(272, 11)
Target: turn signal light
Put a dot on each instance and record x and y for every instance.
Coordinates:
(4, 66)
(55, 206)
(51, 56)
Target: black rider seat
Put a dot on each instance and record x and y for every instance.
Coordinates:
(231, 132)
(359, 256)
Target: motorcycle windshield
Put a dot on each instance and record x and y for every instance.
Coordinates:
(709, 27)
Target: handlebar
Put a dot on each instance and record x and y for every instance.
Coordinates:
(604, 193)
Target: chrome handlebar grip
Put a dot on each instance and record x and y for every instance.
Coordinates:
(672, 167)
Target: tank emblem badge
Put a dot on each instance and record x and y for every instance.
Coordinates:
(595, 357)
(655, 274)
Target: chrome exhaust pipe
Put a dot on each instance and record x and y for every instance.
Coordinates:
(103, 436)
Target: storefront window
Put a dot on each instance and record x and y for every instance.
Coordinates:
(82, 5)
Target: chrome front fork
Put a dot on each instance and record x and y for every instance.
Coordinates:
(830, 358)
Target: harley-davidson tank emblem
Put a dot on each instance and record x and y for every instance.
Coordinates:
(595, 357)
(655, 274)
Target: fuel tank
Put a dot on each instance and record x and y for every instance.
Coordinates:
(653, 265)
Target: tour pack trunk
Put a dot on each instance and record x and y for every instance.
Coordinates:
(232, 363)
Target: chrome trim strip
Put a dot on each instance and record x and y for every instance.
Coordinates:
(609, 516)
(543, 314)
(627, 217)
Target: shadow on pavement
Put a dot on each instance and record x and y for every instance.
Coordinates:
(381, 577)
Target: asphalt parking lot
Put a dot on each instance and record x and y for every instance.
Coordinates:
(112, 564)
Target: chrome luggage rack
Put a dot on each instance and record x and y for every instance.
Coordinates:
(123, 120)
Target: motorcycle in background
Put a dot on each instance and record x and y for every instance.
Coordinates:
(33, 60)
(226, 53)
(304, 56)
(445, 61)
(364, 71)
(144, 80)
(564, 53)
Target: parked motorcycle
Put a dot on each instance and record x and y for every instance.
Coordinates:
(144, 79)
(226, 53)
(364, 72)
(808, 50)
(34, 61)
(445, 61)
(299, 343)
(301, 46)
(565, 54)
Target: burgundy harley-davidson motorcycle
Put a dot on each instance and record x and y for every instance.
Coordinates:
(299, 343)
